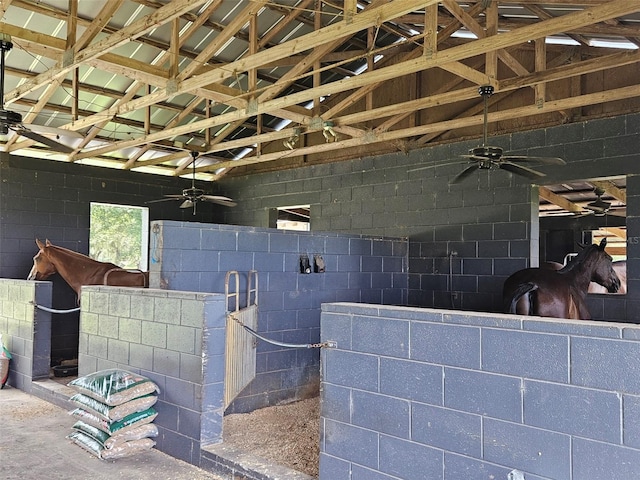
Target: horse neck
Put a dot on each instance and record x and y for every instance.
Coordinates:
(72, 266)
(581, 270)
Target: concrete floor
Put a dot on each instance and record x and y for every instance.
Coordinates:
(33, 446)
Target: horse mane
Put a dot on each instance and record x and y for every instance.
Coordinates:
(579, 259)
(79, 255)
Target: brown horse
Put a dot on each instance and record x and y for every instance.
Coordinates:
(561, 293)
(78, 269)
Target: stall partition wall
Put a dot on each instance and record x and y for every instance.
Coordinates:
(177, 339)
(26, 331)
(357, 268)
(424, 393)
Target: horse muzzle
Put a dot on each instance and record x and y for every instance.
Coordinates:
(614, 286)
(32, 274)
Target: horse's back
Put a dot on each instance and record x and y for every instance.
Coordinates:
(119, 277)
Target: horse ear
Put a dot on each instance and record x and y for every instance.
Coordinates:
(39, 244)
(603, 243)
(48, 243)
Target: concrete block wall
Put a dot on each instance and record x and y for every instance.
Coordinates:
(358, 268)
(26, 330)
(423, 393)
(44, 199)
(486, 220)
(177, 339)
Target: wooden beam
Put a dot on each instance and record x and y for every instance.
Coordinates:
(559, 200)
(541, 66)
(550, 106)
(491, 62)
(430, 42)
(97, 49)
(218, 42)
(611, 189)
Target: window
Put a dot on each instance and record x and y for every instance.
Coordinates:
(294, 218)
(584, 212)
(120, 234)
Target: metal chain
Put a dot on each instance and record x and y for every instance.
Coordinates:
(53, 310)
(327, 344)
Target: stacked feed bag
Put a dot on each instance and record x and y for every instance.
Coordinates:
(114, 413)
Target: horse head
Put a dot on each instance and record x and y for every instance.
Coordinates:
(603, 272)
(42, 266)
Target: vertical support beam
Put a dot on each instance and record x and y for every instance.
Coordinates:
(430, 45)
(575, 85)
(541, 65)
(75, 86)
(350, 10)
(147, 113)
(72, 28)
(317, 79)
(174, 48)
(491, 58)
(4, 4)
(207, 131)
(72, 23)
(253, 73)
(371, 39)
(253, 49)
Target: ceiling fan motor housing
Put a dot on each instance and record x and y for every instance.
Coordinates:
(192, 192)
(8, 118)
(491, 153)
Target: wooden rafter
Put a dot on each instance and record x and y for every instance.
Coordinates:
(319, 64)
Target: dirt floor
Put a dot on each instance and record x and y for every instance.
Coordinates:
(285, 434)
(33, 445)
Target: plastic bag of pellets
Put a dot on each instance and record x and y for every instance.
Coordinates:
(5, 356)
(114, 387)
(120, 450)
(104, 446)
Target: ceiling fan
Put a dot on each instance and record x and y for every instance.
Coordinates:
(489, 157)
(13, 120)
(600, 207)
(191, 196)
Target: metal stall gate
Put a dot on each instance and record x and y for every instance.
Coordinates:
(240, 349)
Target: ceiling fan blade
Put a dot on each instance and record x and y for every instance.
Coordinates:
(464, 174)
(170, 197)
(525, 158)
(187, 204)
(46, 130)
(58, 147)
(435, 165)
(226, 201)
(520, 170)
(618, 213)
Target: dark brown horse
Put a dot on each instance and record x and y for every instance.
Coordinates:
(621, 270)
(78, 269)
(560, 293)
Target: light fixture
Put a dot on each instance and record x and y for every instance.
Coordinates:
(328, 132)
(290, 143)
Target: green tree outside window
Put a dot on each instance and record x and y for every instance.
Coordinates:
(119, 234)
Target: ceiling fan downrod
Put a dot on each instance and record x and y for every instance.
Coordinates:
(485, 91)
